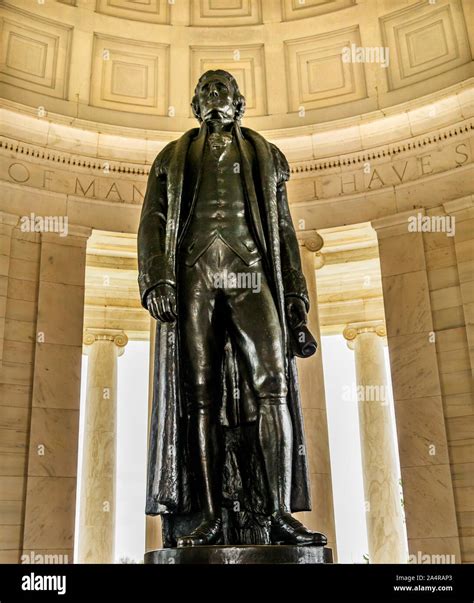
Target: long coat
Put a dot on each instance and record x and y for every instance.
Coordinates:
(166, 206)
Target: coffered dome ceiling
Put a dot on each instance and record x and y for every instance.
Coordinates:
(135, 63)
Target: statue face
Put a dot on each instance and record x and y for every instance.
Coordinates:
(216, 99)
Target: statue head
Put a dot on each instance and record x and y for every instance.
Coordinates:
(217, 96)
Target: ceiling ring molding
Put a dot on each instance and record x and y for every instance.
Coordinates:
(455, 105)
(90, 163)
(120, 167)
(386, 151)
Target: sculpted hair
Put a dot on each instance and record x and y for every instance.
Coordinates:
(239, 99)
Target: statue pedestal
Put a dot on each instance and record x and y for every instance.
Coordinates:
(229, 554)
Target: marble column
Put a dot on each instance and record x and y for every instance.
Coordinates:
(55, 313)
(385, 527)
(414, 330)
(311, 380)
(97, 517)
(153, 539)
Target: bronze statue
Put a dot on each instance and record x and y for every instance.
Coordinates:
(220, 271)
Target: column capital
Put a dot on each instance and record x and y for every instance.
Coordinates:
(310, 239)
(119, 338)
(352, 330)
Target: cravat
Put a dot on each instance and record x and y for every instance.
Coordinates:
(218, 141)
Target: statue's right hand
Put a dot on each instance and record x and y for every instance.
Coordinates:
(161, 303)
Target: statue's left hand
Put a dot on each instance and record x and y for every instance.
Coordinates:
(296, 312)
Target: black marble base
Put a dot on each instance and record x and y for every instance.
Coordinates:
(240, 554)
